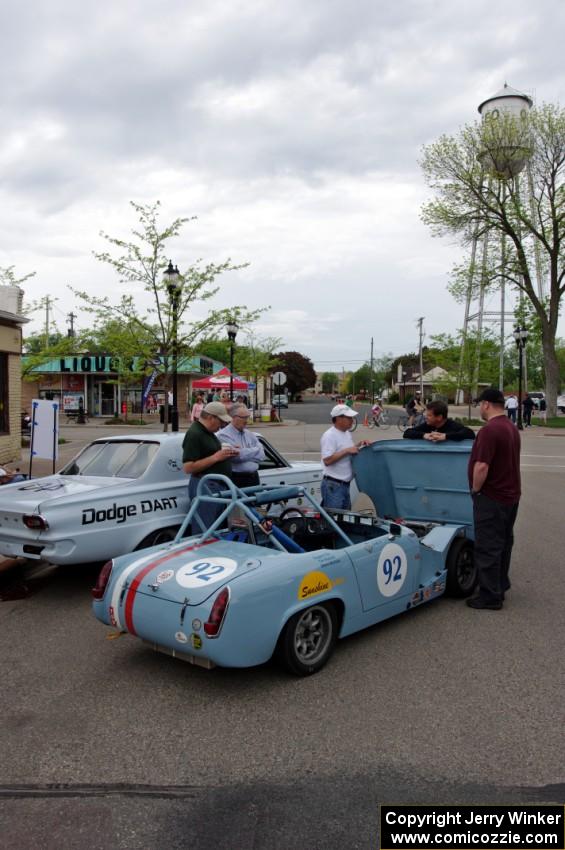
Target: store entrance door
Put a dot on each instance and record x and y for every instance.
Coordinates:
(107, 404)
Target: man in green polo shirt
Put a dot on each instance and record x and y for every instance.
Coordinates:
(203, 454)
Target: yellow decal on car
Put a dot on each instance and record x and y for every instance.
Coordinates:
(316, 582)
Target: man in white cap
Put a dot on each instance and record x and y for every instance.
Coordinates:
(203, 454)
(337, 447)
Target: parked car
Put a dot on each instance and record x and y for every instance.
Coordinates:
(243, 590)
(536, 398)
(561, 403)
(280, 400)
(117, 495)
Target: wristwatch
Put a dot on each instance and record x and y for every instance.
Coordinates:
(475, 492)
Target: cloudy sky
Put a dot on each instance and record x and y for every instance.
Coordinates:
(291, 129)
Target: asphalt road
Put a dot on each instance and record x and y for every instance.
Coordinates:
(108, 745)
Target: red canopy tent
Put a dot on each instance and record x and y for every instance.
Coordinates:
(220, 381)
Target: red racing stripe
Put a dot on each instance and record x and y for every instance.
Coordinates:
(130, 598)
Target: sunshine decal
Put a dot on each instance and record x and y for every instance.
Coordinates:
(316, 582)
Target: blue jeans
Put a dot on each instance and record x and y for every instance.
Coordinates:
(335, 494)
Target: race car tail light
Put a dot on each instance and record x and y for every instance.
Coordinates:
(36, 522)
(214, 622)
(101, 582)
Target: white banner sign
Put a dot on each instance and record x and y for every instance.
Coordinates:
(45, 429)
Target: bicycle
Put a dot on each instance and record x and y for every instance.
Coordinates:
(381, 420)
(404, 420)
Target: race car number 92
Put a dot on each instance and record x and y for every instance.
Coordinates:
(204, 572)
(391, 569)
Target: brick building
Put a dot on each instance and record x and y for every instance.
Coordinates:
(11, 321)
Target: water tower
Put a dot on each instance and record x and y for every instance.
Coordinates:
(505, 154)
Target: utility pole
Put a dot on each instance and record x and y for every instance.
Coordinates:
(71, 331)
(47, 306)
(421, 327)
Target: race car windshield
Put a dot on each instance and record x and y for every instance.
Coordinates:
(118, 459)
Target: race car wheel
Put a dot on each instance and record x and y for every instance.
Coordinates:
(461, 569)
(156, 538)
(308, 640)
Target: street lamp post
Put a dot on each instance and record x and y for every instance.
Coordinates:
(521, 338)
(404, 387)
(232, 330)
(173, 283)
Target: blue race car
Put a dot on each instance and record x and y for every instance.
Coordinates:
(260, 581)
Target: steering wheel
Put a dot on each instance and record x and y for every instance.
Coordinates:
(292, 521)
(295, 521)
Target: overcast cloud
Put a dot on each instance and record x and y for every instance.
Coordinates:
(291, 129)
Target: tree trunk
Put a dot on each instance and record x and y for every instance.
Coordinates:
(551, 365)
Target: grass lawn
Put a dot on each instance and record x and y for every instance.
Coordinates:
(552, 422)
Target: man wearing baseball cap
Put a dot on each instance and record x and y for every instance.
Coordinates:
(203, 454)
(337, 446)
(494, 480)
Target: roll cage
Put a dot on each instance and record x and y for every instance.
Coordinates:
(253, 503)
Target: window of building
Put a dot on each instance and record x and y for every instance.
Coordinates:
(4, 397)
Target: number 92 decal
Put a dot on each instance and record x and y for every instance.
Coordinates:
(204, 572)
(392, 569)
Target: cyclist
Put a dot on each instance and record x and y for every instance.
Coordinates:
(376, 411)
(414, 408)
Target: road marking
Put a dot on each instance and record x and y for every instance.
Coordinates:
(542, 465)
(559, 457)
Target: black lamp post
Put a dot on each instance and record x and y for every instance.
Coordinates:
(404, 387)
(173, 282)
(521, 338)
(232, 330)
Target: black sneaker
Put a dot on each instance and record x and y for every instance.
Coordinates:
(476, 602)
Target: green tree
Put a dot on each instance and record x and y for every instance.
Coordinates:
(329, 382)
(445, 351)
(371, 381)
(299, 371)
(256, 359)
(477, 195)
(121, 339)
(37, 353)
(8, 276)
(140, 264)
(215, 348)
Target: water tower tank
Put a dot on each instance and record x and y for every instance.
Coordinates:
(506, 136)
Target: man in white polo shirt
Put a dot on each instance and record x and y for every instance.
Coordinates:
(337, 447)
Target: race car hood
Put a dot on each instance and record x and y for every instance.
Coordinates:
(417, 480)
(187, 571)
(30, 496)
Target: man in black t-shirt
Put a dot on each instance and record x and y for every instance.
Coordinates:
(203, 454)
(437, 428)
(494, 479)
